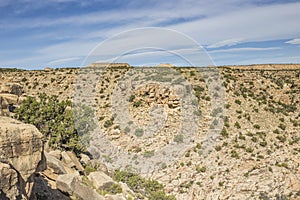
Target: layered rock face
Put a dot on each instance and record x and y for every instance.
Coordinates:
(9, 95)
(21, 155)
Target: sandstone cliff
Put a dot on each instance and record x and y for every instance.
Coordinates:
(21, 155)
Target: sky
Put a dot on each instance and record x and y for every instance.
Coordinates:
(35, 34)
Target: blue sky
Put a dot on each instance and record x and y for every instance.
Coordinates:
(54, 33)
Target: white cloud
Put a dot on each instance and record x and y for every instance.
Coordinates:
(245, 49)
(252, 24)
(207, 22)
(63, 60)
(228, 43)
(294, 41)
(270, 60)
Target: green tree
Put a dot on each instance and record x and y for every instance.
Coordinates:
(56, 121)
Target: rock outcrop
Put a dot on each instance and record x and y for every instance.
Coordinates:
(10, 95)
(21, 155)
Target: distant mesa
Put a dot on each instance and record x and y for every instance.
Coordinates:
(165, 65)
(266, 67)
(125, 65)
(48, 69)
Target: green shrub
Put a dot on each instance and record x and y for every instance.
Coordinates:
(237, 125)
(234, 154)
(249, 150)
(263, 143)
(221, 183)
(207, 98)
(201, 169)
(256, 126)
(254, 139)
(148, 154)
(137, 103)
(218, 148)
(276, 131)
(139, 132)
(131, 98)
(241, 137)
(61, 126)
(198, 146)
(88, 169)
(281, 138)
(188, 153)
(109, 122)
(282, 126)
(127, 129)
(224, 132)
(150, 189)
(114, 189)
(178, 138)
(237, 101)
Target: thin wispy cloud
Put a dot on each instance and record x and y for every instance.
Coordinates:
(225, 43)
(62, 61)
(251, 24)
(293, 41)
(244, 49)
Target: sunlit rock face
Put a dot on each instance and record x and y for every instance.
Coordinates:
(21, 149)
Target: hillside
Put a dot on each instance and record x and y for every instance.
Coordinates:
(231, 132)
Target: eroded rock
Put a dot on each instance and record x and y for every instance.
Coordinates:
(21, 155)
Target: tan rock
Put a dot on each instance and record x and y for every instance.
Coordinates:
(85, 192)
(66, 159)
(8, 99)
(114, 197)
(55, 164)
(56, 154)
(75, 160)
(21, 147)
(100, 180)
(84, 159)
(9, 184)
(66, 183)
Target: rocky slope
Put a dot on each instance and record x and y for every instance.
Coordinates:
(29, 172)
(233, 131)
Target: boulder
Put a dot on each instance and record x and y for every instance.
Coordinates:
(11, 88)
(9, 184)
(43, 190)
(21, 154)
(55, 164)
(100, 180)
(66, 183)
(16, 89)
(71, 170)
(73, 185)
(56, 154)
(75, 160)
(84, 192)
(126, 190)
(4, 88)
(84, 159)
(66, 159)
(7, 99)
